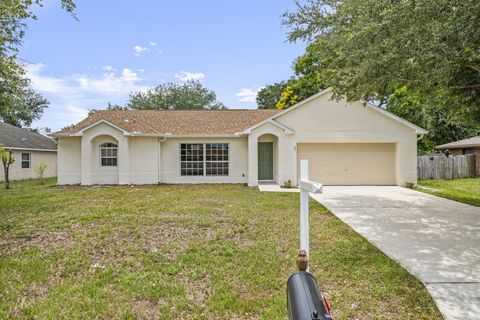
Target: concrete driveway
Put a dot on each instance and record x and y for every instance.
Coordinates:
(435, 239)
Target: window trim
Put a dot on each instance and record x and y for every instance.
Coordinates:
(103, 146)
(218, 161)
(204, 159)
(29, 161)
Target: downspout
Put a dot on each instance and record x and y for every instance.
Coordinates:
(420, 136)
(159, 142)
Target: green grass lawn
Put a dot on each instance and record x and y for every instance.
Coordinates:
(186, 251)
(462, 190)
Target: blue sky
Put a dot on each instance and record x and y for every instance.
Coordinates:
(233, 47)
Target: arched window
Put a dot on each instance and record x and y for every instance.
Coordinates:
(108, 154)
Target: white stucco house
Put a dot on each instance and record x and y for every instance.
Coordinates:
(345, 143)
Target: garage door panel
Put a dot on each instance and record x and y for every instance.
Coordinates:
(350, 163)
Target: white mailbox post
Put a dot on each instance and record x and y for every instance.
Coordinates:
(306, 187)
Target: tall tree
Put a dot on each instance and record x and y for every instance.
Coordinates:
(172, 96)
(374, 47)
(13, 83)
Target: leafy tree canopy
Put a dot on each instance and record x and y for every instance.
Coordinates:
(23, 107)
(172, 96)
(372, 48)
(268, 96)
(441, 124)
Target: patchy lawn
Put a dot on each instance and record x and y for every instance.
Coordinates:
(462, 190)
(191, 251)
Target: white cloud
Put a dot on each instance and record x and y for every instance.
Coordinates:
(247, 94)
(109, 83)
(139, 50)
(43, 82)
(72, 96)
(108, 68)
(187, 76)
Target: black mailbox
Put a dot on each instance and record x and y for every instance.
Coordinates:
(304, 300)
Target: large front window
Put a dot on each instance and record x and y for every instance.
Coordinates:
(198, 159)
(108, 155)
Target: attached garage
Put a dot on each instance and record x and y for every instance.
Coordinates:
(350, 163)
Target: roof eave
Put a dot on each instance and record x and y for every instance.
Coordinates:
(30, 149)
(79, 132)
(286, 129)
(446, 146)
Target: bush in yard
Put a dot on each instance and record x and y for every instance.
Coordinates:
(40, 170)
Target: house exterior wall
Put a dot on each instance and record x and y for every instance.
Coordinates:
(144, 160)
(69, 160)
(144, 156)
(16, 171)
(322, 120)
(238, 161)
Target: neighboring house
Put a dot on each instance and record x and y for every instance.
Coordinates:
(346, 144)
(29, 149)
(465, 146)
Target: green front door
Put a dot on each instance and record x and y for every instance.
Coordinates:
(265, 161)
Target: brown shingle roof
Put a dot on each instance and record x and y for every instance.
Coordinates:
(470, 142)
(181, 122)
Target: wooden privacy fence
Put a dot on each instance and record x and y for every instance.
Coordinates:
(442, 167)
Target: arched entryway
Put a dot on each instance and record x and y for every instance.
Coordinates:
(267, 158)
(105, 160)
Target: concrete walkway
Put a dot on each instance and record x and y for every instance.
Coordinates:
(435, 239)
(271, 187)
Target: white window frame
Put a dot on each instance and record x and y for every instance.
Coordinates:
(217, 161)
(205, 159)
(106, 146)
(29, 161)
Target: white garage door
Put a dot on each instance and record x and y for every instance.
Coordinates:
(349, 163)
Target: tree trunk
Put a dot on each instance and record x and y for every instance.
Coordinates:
(7, 180)
(6, 170)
